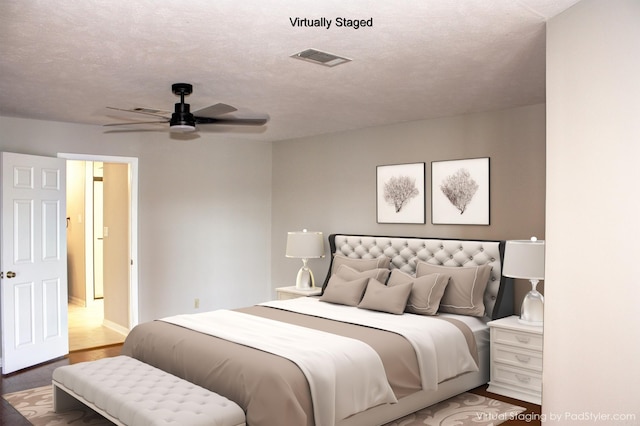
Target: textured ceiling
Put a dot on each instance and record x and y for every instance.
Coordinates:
(66, 60)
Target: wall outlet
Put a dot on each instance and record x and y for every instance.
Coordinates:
(196, 303)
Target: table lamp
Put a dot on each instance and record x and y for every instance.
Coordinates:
(525, 259)
(305, 245)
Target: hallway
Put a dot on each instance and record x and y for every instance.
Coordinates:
(86, 329)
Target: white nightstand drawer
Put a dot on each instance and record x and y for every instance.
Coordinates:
(517, 357)
(517, 338)
(284, 296)
(526, 379)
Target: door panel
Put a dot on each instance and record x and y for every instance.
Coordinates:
(51, 231)
(23, 301)
(23, 231)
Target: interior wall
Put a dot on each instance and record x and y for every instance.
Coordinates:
(202, 203)
(591, 345)
(76, 264)
(116, 254)
(328, 183)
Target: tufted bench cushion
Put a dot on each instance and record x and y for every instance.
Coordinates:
(132, 393)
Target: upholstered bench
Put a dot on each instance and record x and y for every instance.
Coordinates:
(131, 393)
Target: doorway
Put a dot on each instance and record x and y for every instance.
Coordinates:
(102, 249)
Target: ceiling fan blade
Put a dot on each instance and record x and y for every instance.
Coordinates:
(136, 122)
(145, 111)
(135, 130)
(215, 110)
(233, 121)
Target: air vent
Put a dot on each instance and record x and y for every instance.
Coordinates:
(321, 58)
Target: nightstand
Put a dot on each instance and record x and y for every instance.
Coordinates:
(293, 292)
(516, 360)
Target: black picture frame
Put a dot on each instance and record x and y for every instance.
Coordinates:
(401, 193)
(460, 192)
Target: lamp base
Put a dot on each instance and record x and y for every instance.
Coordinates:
(304, 279)
(532, 310)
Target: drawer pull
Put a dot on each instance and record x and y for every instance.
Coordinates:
(523, 379)
(523, 359)
(523, 339)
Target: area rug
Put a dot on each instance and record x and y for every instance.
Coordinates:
(466, 409)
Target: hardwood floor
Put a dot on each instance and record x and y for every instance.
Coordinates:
(86, 329)
(531, 415)
(41, 376)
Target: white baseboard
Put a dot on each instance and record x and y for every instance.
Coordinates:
(115, 327)
(76, 301)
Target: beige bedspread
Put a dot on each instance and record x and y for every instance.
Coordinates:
(272, 390)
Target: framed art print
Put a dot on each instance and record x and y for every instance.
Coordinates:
(400, 193)
(460, 192)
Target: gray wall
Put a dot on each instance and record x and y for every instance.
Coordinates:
(328, 183)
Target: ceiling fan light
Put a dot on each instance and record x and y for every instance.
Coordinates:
(182, 128)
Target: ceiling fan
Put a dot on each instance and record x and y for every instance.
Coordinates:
(183, 121)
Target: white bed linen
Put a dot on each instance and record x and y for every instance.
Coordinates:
(441, 349)
(478, 327)
(341, 384)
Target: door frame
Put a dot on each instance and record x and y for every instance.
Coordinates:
(133, 219)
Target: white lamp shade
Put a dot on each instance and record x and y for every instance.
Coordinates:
(305, 245)
(524, 259)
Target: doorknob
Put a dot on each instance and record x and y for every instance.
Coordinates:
(11, 274)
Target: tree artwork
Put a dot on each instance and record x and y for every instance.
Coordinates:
(459, 188)
(399, 190)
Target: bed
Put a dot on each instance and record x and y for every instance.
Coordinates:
(279, 388)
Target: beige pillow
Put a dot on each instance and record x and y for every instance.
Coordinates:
(359, 264)
(426, 292)
(465, 291)
(348, 273)
(379, 297)
(344, 292)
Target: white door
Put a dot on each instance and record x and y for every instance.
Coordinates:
(33, 261)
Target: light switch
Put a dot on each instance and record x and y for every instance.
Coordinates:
(105, 231)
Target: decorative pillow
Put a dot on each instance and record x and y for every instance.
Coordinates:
(348, 273)
(359, 264)
(379, 297)
(465, 291)
(344, 292)
(426, 292)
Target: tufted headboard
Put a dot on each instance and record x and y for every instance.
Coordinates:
(405, 252)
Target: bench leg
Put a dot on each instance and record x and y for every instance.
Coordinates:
(62, 401)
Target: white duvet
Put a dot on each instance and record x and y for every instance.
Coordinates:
(441, 348)
(341, 384)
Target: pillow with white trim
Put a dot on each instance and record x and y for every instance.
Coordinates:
(344, 292)
(465, 291)
(348, 273)
(359, 264)
(379, 297)
(426, 292)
